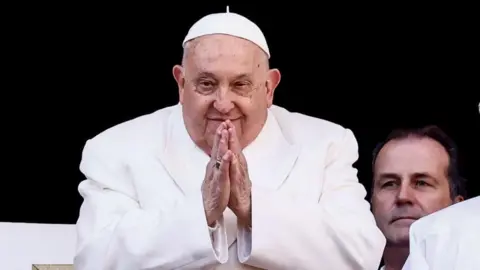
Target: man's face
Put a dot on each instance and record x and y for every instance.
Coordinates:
(224, 77)
(410, 181)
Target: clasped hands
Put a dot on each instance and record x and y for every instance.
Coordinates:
(227, 183)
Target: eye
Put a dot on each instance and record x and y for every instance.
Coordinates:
(242, 88)
(422, 183)
(206, 84)
(389, 184)
(241, 84)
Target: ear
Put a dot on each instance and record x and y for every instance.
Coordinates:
(180, 79)
(458, 199)
(273, 79)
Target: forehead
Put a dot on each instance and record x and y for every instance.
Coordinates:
(224, 54)
(412, 155)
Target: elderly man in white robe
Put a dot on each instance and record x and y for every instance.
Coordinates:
(225, 179)
(447, 240)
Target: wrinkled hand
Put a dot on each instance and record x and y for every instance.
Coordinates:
(216, 185)
(240, 185)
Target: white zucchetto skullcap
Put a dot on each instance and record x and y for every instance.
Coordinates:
(229, 24)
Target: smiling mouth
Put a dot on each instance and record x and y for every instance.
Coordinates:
(223, 119)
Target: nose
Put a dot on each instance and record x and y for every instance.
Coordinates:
(405, 195)
(223, 101)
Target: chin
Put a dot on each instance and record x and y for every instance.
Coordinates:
(399, 239)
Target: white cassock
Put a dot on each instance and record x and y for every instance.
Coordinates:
(447, 240)
(143, 206)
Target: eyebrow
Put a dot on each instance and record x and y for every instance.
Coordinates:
(206, 74)
(211, 75)
(389, 176)
(242, 76)
(395, 176)
(424, 174)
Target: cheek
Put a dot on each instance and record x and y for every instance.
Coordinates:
(197, 105)
(434, 202)
(382, 199)
(251, 105)
(382, 204)
(246, 107)
(380, 210)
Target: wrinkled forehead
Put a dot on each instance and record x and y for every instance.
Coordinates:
(223, 53)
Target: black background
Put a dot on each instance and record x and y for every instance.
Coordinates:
(73, 71)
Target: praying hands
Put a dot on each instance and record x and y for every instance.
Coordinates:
(227, 183)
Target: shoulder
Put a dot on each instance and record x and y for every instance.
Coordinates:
(304, 129)
(447, 218)
(132, 135)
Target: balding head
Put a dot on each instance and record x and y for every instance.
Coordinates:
(221, 45)
(224, 77)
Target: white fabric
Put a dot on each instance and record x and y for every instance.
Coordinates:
(24, 244)
(229, 24)
(143, 206)
(214, 228)
(448, 239)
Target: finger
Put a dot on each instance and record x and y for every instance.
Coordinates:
(233, 142)
(238, 166)
(234, 166)
(223, 145)
(224, 168)
(216, 140)
(229, 124)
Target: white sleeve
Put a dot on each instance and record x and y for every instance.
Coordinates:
(114, 232)
(337, 232)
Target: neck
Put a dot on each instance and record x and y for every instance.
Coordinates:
(395, 257)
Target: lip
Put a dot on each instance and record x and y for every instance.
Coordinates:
(403, 219)
(222, 119)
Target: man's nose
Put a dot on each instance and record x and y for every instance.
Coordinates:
(223, 101)
(405, 194)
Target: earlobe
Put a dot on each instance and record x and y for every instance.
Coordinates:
(180, 79)
(273, 79)
(458, 199)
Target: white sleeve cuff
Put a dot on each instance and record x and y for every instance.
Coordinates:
(214, 228)
(244, 237)
(218, 236)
